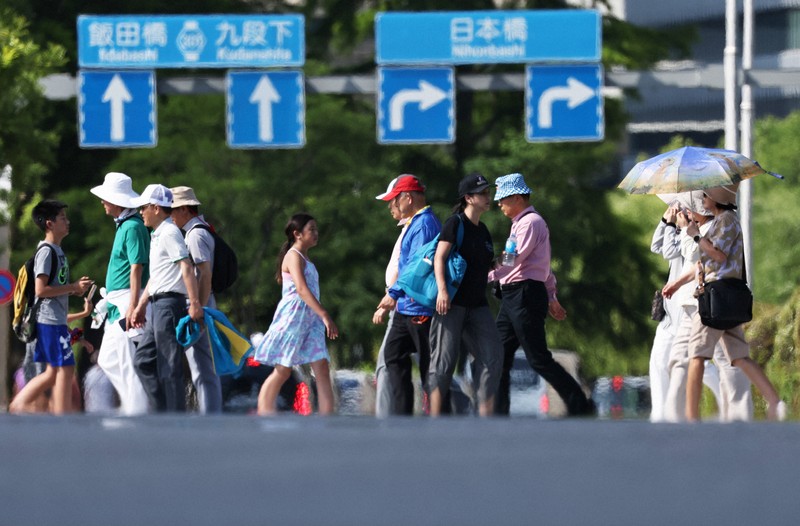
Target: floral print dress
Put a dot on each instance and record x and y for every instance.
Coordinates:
(297, 334)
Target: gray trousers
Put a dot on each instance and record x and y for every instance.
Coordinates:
(475, 329)
(158, 359)
(204, 377)
(383, 393)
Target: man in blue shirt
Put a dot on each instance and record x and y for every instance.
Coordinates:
(412, 321)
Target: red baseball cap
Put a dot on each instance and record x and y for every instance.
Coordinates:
(405, 183)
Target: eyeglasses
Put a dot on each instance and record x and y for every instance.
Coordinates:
(146, 207)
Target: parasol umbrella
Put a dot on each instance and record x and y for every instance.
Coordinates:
(690, 168)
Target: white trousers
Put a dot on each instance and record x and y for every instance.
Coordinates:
(659, 371)
(116, 360)
(734, 399)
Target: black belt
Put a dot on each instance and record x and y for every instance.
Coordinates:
(165, 295)
(518, 284)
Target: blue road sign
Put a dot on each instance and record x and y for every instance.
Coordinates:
(190, 41)
(416, 105)
(116, 109)
(266, 109)
(564, 103)
(7, 282)
(488, 37)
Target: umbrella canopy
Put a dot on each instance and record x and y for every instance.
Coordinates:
(690, 168)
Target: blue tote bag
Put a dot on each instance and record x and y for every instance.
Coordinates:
(418, 279)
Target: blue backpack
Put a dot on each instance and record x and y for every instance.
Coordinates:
(418, 280)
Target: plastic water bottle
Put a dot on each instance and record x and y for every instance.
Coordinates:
(510, 252)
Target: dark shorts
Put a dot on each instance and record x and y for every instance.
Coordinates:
(52, 345)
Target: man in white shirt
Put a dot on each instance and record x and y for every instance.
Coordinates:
(158, 358)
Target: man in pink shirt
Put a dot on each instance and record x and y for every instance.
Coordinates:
(529, 294)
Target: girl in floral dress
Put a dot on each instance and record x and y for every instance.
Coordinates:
(297, 333)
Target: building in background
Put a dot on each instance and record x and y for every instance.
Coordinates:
(665, 110)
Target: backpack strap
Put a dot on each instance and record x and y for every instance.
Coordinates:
(460, 234)
(53, 261)
(201, 226)
(528, 212)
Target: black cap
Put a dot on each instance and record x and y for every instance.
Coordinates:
(472, 184)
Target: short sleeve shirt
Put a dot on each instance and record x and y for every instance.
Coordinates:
(726, 235)
(131, 247)
(52, 311)
(167, 249)
(199, 241)
(477, 251)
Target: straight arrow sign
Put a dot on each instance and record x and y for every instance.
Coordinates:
(117, 109)
(265, 109)
(117, 94)
(265, 95)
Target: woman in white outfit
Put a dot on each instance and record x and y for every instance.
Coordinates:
(733, 394)
(667, 243)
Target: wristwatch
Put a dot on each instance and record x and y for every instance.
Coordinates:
(697, 239)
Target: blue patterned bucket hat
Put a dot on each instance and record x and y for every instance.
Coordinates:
(511, 184)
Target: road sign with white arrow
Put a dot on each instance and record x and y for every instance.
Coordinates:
(266, 109)
(416, 105)
(117, 109)
(563, 103)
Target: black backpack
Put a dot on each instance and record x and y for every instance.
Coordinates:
(26, 304)
(226, 265)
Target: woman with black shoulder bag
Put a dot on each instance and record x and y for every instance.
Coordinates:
(722, 258)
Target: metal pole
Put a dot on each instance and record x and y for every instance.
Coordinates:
(729, 72)
(747, 107)
(5, 310)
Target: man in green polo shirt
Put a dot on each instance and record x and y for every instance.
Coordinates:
(127, 273)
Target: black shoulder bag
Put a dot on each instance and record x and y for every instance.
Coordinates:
(726, 303)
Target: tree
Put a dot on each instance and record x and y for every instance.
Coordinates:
(776, 222)
(27, 143)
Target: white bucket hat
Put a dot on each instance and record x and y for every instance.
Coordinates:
(723, 195)
(116, 189)
(154, 194)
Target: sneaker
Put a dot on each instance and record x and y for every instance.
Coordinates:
(779, 412)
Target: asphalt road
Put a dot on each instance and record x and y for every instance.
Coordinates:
(240, 470)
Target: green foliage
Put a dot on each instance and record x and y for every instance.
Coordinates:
(774, 336)
(776, 223)
(26, 143)
(638, 48)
